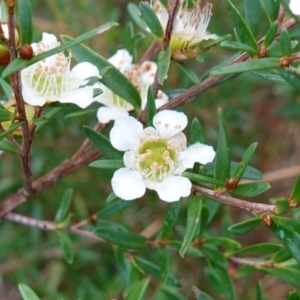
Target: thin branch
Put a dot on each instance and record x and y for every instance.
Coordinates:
(253, 263)
(250, 206)
(152, 51)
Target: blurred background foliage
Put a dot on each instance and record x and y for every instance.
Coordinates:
(255, 110)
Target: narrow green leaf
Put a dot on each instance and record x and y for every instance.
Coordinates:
(163, 64)
(252, 65)
(139, 291)
(7, 89)
(173, 213)
(5, 115)
(81, 113)
(197, 134)
(240, 25)
(202, 178)
(49, 115)
(136, 15)
(151, 19)
(270, 35)
(113, 207)
(259, 292)
(214, 255)
(251, 189)
(112, 78)
(102, 143)
(124, 267)
(19, 63)
(64, 206)
(288, 274)
(288, 231)
(245, 226)
(282, 255)
(295, 195)
(148, 267)
(170, 293)
(252, 15)
(193, 214)
(25, 21)
(222, 160)
(291, 76)
(107, 164)
(10, 130)
(126, 239)
(151, 107)
(223, 242)
(282, 205)
(262, 248)
(241, 167)
(27, 293)
(112, 196)
(293, 295)
(238, 47)
(285, 43)
(66, 245)
(205, 217)
(7, 147)
(191, 251)
(188, 72)
(200, 295)
(271, 7)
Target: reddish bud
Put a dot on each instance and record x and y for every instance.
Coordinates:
(26, 52)
(267, 220)
(232, 183)
(285, 61)
(263, 52)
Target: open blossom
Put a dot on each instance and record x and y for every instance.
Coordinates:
(189, 27)
(51, 79)
(141, 76)
(295, 7)
(155, 157)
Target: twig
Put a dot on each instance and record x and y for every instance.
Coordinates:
(152, 51)
(250, 206)
(253, 263)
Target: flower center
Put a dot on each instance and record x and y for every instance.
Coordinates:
(157, 159)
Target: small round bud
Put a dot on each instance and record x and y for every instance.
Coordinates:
(263, 52)
(26, 52)
(267, 220)
(285, 61)
(232, 183)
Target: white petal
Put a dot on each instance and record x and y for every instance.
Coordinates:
(161, 99)
(82, 97)
(295, 7)
(169, 122)
(50, 40)
(151, 184)
(84, 70)
(198, 152)
(122, 60)
(173, 188)
(125, 133)
(107, 114)
(148, 70)
(129, 159)
(178, 141)
(128, 184)
(30, 96)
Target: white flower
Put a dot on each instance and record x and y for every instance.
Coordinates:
(51, 80)
(155, 157)
(141, 76)
(190, 24)
(295, 7)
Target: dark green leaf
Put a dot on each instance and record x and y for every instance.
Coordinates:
(223, 242)
(240, 169)
(136, 15)
(240, 25)
(282, 255)
(214, 255)
(124, 267)
(102, 143)
(66, 245)
(251, 189)
(238, 47)
(295, 195)
(48, 116)
(270, 35)
(291, 76)
(105, 224)
(170, 293)
(200, 295)
(252, 65)
(5, 115)
(259, 292)
(203, 179)
(81, 113)
(271, 7)
(151, 20)
(107, 164)
(193, 214)
(10, 130)
(191, 251)
(293, 295)
(222, 160)
(172, 214)
(19, 63)
(139, 290)
(151, 107)
(126, 239)
(188, 72)
(262, 248)
(252, 15)
(245, 226)
(288, 231)
(27, 293)
(204, 218)
(7, 147)
(282, 204)
(25, 21)
(148, 267)
(6, 88)
(271, 76)
(163, 64)
(197, 134)
(112, 196)
(64, 206)
(285, 43)
(113, 207)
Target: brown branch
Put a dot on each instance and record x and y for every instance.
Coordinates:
(250, 206)
(17, 89)
(152, 51)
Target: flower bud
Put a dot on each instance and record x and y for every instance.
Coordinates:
(26, 52)
(4, 27)
(4, 55)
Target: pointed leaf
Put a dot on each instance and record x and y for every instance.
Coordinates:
(102, 143)
(64, 206)
(7, 147)
(295, 195)
(193, 214)
(214, 255)
(252, 15)
(202, 178)
(262, 248)
(126, 239)
(222, 242)
(27, 293)
(5, 115)
(172, 214)
(291, 76)
(285, 43)
(148, 267)
(271, 7)
(25, 21)
(163, 64)
(188, 72)
(151, 108)
(66, 245)
(259, 292)
(197, 134)
(200, 295)
(10, 130)
(251, 189)
(245, 226)
(107, 164)
(293, 295)
(113, 207)
(139, 291)
(238, 47)
(270, 35)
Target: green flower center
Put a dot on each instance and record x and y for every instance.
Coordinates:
(157, 159)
